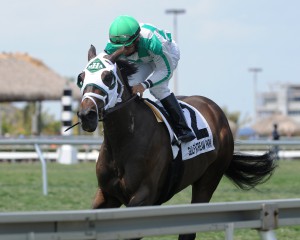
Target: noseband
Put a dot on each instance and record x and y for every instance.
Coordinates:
(109, 102)
(93, 77)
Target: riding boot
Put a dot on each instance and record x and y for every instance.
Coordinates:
(183, 132)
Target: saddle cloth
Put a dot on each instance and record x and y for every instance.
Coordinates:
(201, 144)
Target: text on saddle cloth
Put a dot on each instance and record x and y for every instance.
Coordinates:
(204, 140)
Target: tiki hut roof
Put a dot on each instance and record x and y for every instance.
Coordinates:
(286, 125)
(24, 78)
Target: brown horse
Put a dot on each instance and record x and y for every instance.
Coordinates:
(133, 167)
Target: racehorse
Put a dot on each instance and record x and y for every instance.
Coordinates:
(133, 167)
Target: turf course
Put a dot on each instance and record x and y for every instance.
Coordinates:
(72, 187)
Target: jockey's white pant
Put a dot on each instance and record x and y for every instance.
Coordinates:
(145, 70)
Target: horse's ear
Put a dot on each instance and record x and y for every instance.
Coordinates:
(92, 52)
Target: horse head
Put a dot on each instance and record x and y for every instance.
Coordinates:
(102, 87)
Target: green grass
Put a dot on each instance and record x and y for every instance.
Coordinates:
(72, 187)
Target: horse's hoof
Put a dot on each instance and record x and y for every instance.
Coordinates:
(191, 236)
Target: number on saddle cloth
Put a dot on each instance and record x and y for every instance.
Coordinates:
(200, 133)
(204, 140)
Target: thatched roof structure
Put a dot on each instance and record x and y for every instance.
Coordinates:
(286, 126)
(24, 78)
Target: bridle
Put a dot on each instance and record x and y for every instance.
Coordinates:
(111, 95)
(112, 98)
(93, 77)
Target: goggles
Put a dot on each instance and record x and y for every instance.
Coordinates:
(124, 39)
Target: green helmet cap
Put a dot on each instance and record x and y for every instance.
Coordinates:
(123, 31)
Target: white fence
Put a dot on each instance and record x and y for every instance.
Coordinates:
(265, 216)
(25, 149)
(125, 223)
(37, 142)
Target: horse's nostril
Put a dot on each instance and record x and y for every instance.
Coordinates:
(91, 115)
(84, 112)
(89, 120)
(87, 115)
(81, 114)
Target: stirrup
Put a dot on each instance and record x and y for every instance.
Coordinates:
(175, 140)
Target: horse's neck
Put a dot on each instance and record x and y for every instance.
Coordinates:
(126, 88)
(122, 123)
(126, 95)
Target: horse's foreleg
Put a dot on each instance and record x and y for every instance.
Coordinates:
(191, 236)
(102, 200)
(140, 198)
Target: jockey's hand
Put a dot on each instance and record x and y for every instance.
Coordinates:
(138, 89)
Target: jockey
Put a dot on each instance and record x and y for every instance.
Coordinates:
(156, 55)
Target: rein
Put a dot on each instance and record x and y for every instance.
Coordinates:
(108, 101)
(91, 96)
(113, 94)
(118, 107)
(109, 111)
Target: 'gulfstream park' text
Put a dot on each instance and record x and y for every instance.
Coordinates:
(199, 146)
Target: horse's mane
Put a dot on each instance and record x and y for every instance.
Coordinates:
(127, 68)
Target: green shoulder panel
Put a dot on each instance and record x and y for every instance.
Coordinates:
(153, 44)
(165, 34)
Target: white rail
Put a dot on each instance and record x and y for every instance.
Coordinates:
(96, 141)
(36, 142)
(264, 216)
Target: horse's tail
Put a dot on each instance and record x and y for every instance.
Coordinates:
(246, 171)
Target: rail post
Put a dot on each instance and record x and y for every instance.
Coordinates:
(269, 221)
(44, 169)
(229, 231)
(67, 153)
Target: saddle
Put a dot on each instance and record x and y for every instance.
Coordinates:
(201, 144)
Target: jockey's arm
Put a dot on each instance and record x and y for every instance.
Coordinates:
(162, 71)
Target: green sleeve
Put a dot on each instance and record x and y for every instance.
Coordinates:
(110, 48)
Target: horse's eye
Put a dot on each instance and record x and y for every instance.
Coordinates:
(108, 78)
(80, 79)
